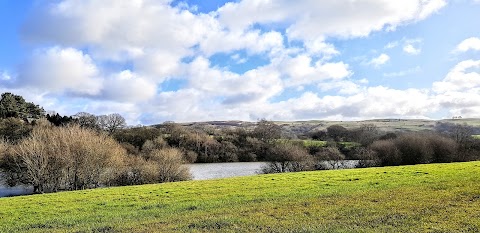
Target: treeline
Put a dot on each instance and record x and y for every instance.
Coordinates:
(204, 145)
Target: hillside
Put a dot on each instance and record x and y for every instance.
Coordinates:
(302, 127)
(421, 198)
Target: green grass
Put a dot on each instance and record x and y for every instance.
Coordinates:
(422, 198)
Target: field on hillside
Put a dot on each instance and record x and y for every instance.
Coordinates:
(388, 125)
(302, 127)
(421, 198)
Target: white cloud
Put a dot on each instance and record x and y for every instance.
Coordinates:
(472, 43)
(114, 28)
(412, 46)
(159, 65)
(410, 49)
(253, 41)
(391, 45)
(459, 78)
(301, 70)
(61, 70)
(373, 102)
(319, 47)
(459, 91)
(313, 19)
(253, 86)
(380, 60)
(430, 7)
(238, 59)
(128, 87)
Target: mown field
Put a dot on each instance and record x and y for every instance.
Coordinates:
(422, 198)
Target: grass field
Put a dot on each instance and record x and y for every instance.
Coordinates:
(387, 125)
(422, 198)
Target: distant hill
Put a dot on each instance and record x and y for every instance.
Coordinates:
(302, 127)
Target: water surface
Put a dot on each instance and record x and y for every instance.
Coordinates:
(205, 171)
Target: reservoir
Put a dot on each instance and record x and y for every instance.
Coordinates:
(205, 171)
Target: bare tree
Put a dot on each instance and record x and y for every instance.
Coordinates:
(367, 157)
(169, 164)
(367, 134)
(54, 158)
(111, 122)
(267, 131)
(86, 120)
(287, 157)
(387, 152)
(459, 133)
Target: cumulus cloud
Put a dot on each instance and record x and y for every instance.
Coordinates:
(380, 60)
(128, 87)
(301, 70)
(459, 91)
(459, 78)
(69, 72)
(252, 41)
(60, 70)
(472, 43)
(114, 55)
(373, 102)
(117, 29)
(312, 20)
(253, 86)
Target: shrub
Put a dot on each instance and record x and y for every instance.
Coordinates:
(367, 157)
(414, 148)
(137, 171)
(387, 152)
(190, 156)
(287, 157)
(154, 144)
(444, 149)
(169, 163)
(329, 158)
(71, 158)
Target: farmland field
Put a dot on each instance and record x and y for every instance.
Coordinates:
(420, 198)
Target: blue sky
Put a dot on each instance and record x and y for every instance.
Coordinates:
(163, 60)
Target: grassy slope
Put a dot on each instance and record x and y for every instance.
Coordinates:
(430, 198)
(383, 124)
(314, 125)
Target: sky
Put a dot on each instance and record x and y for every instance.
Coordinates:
(171, 60)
